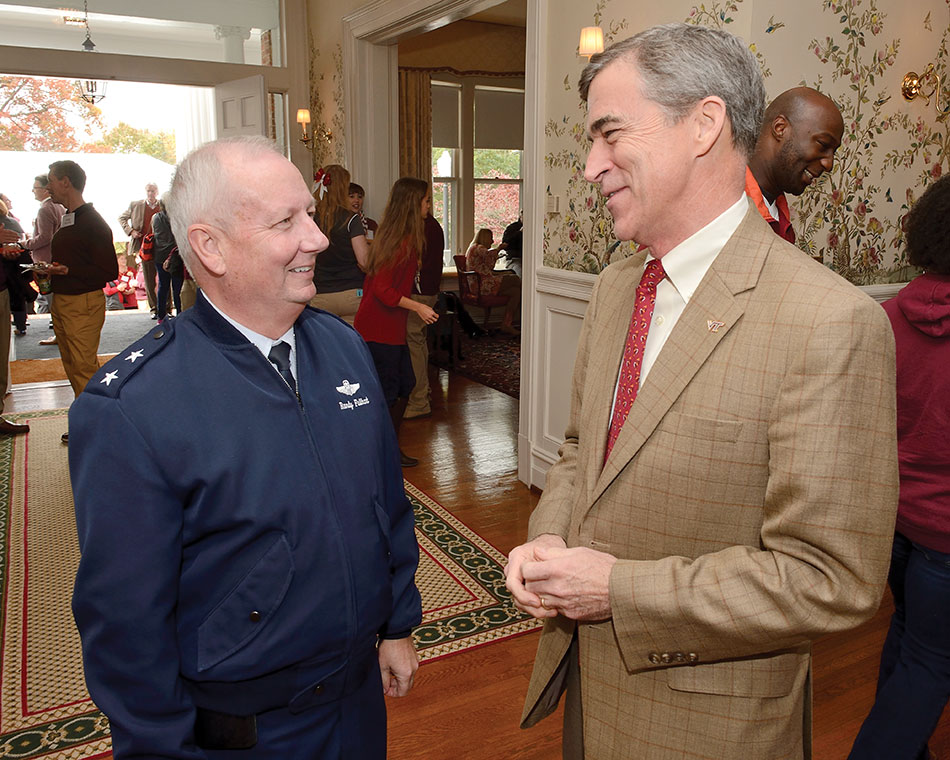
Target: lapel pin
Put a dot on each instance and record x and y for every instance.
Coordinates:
(714, 325)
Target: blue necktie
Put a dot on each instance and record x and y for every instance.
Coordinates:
(280, 357)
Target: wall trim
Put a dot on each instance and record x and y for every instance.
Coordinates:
(881, 293)
(533, 348)
(562, 282)
(371, 82)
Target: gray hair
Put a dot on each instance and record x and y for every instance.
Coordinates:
(680, 64)
(206, 190)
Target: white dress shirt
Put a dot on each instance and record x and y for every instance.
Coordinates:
(685, 266)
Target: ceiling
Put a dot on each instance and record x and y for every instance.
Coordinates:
(511, 13)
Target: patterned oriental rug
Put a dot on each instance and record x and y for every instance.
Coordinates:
(45, 710)
(493, 360)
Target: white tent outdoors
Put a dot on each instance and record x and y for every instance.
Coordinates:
(113, 180)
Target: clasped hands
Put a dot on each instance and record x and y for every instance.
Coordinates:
(547, 579)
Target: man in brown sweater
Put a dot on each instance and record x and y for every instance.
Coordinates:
(83, 262)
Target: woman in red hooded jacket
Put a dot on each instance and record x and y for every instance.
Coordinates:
(914, 680)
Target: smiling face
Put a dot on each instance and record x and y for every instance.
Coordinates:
(808, 147)
(151, 193)
(638, 158)
(270, 249)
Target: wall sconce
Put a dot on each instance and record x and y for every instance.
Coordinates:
(592, 41)
(925, 85)
(303, 119)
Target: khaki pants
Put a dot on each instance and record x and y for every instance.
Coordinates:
(344, 304)
(189, 293)
(419, 355)
(4, 343)
(77, 321)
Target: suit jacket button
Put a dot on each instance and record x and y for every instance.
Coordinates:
(654, 658)
(318, 690)
(692, 657)
(255, 617)
(667, 658)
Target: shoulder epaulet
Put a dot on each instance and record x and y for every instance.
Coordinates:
(110, 378)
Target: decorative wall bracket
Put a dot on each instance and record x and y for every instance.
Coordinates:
(925, 85)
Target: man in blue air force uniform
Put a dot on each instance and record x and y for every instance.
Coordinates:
(248, 601)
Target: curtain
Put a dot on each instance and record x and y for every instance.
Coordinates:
(415, 124)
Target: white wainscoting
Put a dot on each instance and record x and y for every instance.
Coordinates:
(559, 303)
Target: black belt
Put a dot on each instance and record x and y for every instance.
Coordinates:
(215, 730)
(297, 688)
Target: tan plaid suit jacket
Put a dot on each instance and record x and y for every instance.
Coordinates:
(750, 499)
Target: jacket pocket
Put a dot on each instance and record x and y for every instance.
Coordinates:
(244, 612)
(760, 677)
(703, 428)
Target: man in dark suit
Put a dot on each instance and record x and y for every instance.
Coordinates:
(727, 486)
(257, 596)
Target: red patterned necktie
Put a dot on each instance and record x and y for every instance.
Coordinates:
(629, 380)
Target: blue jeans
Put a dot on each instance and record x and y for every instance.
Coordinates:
(914, 681)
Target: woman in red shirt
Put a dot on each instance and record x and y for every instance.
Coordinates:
(391, 269)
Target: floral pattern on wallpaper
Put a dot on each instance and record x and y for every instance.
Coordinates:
(583, 241)
(326, 121)
(842, 221)
(891, 150)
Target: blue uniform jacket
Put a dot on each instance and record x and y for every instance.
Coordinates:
(269, 541)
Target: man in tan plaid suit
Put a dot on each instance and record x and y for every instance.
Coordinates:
(747, 505)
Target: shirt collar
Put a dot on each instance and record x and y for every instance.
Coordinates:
(687, 263)
(262, 342)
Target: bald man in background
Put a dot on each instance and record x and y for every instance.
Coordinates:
(800, 133)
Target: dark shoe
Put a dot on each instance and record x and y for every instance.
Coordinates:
(407, 461)
(10, 428)
(154, 315)
(65, 439)
(19, 332)
(49, 341)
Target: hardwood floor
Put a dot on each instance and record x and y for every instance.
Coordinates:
(468, 706)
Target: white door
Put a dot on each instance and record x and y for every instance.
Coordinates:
(239, 107)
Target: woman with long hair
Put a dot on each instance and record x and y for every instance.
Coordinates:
(338, 273)
(390, 272)
(481, 258)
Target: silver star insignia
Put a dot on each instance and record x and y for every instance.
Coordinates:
(134, 355)
(110, 376)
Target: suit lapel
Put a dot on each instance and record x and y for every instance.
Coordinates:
(708, 317)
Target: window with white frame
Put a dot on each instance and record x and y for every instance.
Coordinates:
(499, 130)
(446, 106)
(477, 136)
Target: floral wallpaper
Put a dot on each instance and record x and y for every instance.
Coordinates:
(856, 51)
(326, 123)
